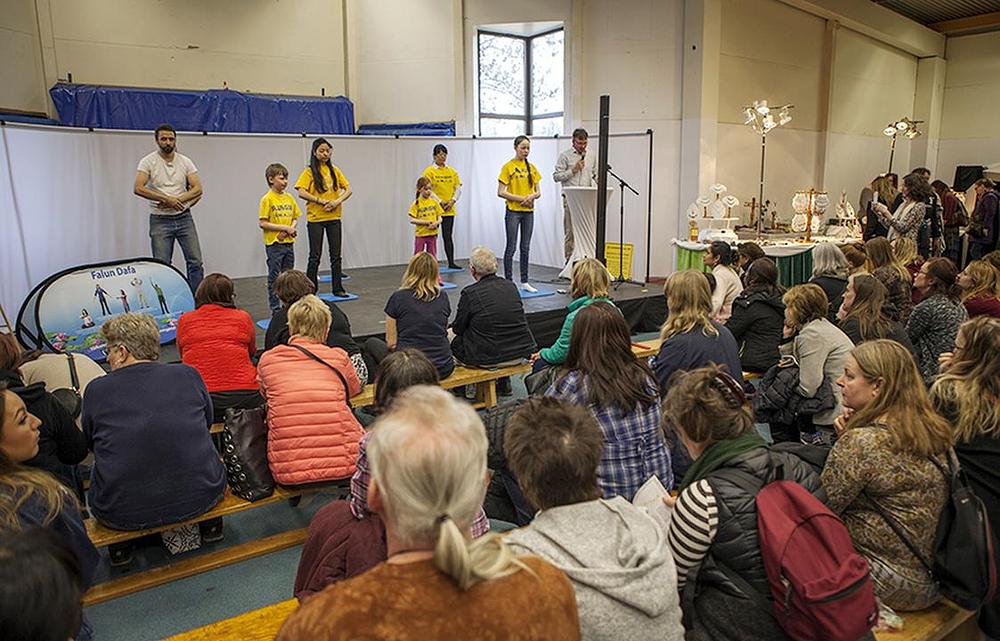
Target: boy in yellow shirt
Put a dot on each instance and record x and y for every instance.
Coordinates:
(425, 214)
(447, 186)
(277, 217)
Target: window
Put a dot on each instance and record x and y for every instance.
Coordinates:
(521, 83)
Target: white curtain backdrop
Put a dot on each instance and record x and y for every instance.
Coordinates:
(66, 198)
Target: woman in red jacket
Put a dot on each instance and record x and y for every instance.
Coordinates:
(218, 340)
(312, 434)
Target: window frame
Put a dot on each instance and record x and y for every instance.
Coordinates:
(527, 117)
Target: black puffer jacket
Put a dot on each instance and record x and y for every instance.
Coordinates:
(778, 400)
(720, 610)
(756, 324)
(490, 326)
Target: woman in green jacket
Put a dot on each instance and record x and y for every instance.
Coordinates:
(589, 283)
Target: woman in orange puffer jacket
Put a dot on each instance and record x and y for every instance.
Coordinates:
(312, 434)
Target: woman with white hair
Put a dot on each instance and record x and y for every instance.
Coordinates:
(428, 459)
(147, 425)
(490, 326)
(830, 271)
(312, 434)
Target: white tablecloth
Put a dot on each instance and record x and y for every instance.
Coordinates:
(781, 249)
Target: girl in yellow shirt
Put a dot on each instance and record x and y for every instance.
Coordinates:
(447, 186)
(324, 188)
(425, 214)
(518, 186)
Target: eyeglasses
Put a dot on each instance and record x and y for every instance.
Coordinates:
(108, 348)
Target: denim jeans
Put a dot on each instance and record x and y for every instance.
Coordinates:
(164, 230)
(514, 221)
(316, 231)
(280, 256)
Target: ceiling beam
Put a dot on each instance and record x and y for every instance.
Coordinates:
(985, 22)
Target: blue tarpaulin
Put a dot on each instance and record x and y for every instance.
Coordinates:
(418, 129)
(213, 110)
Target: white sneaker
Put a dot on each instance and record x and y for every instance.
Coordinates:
(526, 287)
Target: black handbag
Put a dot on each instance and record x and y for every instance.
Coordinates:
(537, 382)
(244, 453)
(69, 397)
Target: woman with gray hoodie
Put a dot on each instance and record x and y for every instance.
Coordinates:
(614, 554)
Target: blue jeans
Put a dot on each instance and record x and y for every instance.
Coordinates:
(280, 256)
(164, 230)
(514, 221)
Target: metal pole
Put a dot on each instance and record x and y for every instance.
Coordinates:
(602, 176)
(892, 152)
(760, 202)
(649, 205)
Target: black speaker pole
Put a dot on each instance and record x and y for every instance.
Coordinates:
(602, 177)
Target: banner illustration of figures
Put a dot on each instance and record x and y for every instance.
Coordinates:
(64, 313)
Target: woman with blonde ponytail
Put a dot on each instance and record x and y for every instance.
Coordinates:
(428, 464)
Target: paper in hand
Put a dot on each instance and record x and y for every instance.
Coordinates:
(650, 498)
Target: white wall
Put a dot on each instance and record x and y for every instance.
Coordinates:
(21, 85)
(404, 60)
(773, 51)
(873, 84)
(969, 132)
(632, 51)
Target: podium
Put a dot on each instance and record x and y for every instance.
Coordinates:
(582, 202)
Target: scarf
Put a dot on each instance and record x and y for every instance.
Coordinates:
(720, 453)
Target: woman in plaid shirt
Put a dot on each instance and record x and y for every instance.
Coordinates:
(602, 375)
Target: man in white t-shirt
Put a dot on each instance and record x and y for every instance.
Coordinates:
(170, 182)
(574, 169)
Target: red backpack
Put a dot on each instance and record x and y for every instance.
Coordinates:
(821, 589)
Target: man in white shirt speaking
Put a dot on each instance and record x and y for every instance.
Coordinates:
(170, 182)
(574, 169)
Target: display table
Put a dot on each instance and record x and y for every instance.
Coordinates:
(794, 259)
(582, 203)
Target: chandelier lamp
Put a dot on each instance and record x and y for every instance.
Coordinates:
(905, 127)
(763, 119)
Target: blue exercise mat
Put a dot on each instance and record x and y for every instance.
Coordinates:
(328, 278)
(264, 324)
(540, 293)
(339, 299)
(447, 285)
(449, 270)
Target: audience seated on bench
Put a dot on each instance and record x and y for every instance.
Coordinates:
(345, 537)
(708, 528)
(61, 444)
(147, 424)
(966, 395)
(31, 498)
(290, 286)
(885, 466)
(312, 434)
(758, 317)
(490, 326)
(218, 340)
(613, 552)
(428, 454)
(601, 374)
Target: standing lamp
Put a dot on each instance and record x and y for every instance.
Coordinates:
(905, 126)
(763, 119)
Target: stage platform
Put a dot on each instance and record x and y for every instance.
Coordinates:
(644, 307)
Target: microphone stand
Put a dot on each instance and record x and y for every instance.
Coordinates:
(622, 186)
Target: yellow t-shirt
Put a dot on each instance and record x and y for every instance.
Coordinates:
(515, 176)
(314, 211)
(426, 209)
(444, 182)
(280, 209)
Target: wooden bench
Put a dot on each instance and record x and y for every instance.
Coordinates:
(257, 625)
(103, 536)
(944, 621)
